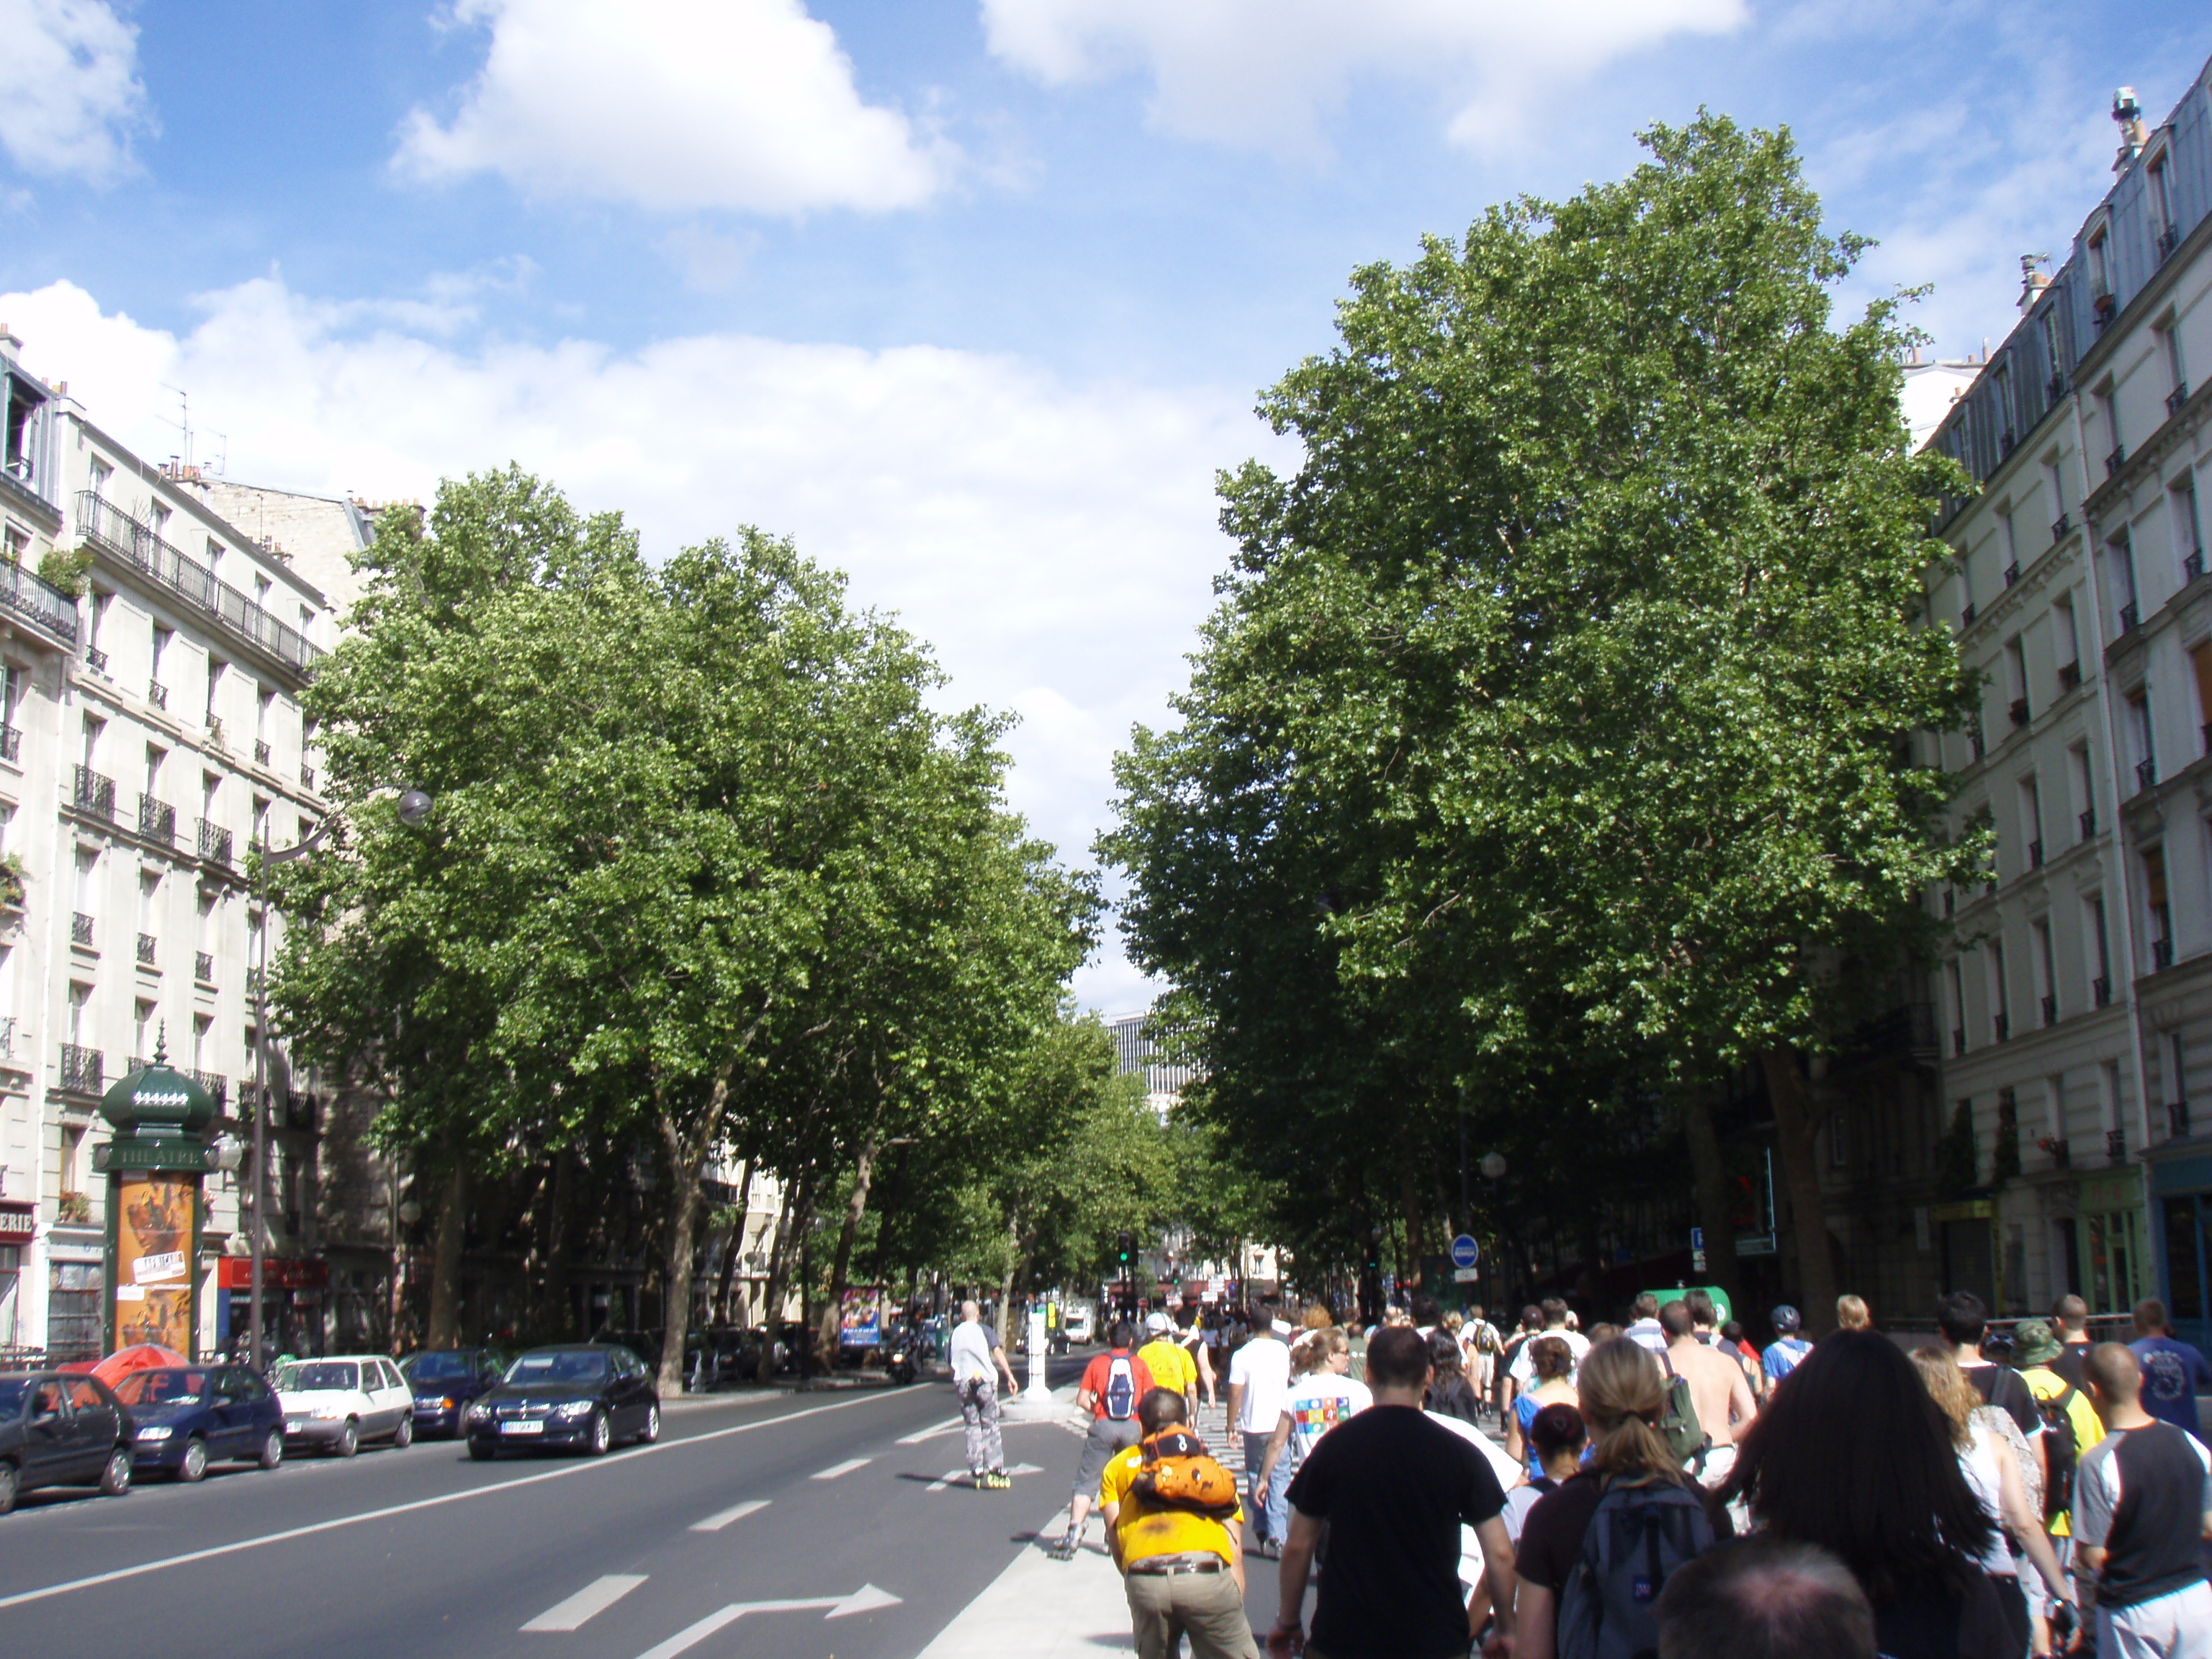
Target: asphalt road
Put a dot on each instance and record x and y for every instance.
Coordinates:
(422, 1551)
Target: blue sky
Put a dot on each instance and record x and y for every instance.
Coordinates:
(971, 297)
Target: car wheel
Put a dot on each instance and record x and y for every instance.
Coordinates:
(7, 1487)
(115, 1478)
(272, 1449)
(482, 1450)
(601, 1436)
(194, 1466)
(348, 1440)
(403, 1436)
(650, 1433)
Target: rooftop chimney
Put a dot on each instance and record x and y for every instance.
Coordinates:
(2133, 135)
(2033, 282)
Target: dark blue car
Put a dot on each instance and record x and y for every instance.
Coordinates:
(190, 1416)
(444, 1382)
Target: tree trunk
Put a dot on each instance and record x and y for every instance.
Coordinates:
(833, 1306)
(560, 1316)
(1003, 1319)
(446, 1263)
(1710, 1177)
(1796, 1121)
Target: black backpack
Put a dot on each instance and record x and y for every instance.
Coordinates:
(2062, 1451)
(1638, 1536)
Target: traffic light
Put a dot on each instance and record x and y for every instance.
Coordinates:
(1125, 1249)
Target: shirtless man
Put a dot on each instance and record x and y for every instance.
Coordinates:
(1717, 1390)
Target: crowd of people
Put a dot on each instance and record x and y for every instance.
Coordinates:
(1659, 1486)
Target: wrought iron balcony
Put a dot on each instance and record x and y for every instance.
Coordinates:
(306, 777)
(94, 793)
(146, 950)
(2168, 239)
(2116, 460)
(2146, 773)
(6, 1036)
(204, 967)
(2001, 1024)
(2019, 711)
(2006, 442)
(2070, 677)
(2054, 387)
(1950, 902)
(2050, 1011)
(2088, 824)
(26, 595)
(260, 752)
(2060, 526)
(2062, 1155)
(81, 1069)
(115, 532)
(157, 820)
(2035, 855)
(2116, 1145)
(253, 981)
(218, 1088)
(81, 929)
(2193, 566)
(2162, 955)
(214, 843)
(2129, 617)
(2177, 1119)
(2012, 573)
(1967, 614)
(2100, 991)
(95, 659)
(157, 694)
(2175, 398)
(1958, 1039)
(1980, 747)
(11, 743)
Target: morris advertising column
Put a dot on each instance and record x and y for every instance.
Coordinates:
(154, 1163)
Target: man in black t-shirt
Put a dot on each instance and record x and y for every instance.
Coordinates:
(1964, 1320)
(1394, 1489)
(2069, 1319)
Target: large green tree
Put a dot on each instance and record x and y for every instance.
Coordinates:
(1558, 707)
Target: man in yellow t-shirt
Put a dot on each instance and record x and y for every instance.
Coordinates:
(1183, 1573)
(1170, 1362)
(2034, 1346)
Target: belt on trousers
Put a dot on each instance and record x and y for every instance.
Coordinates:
(1165, 1566)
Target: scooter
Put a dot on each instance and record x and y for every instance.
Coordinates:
(904, 1364)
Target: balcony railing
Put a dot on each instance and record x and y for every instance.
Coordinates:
(2175, 398)
(2177, 1119)
(2060, 526)
(2012, 573)
(2116, 460)
(116, 533)
(2088, 824)
(2100, 991)
(81, 1069)
(11, 740)
(157, 694)
(260, 752)
(94, 793)
(218, 1088)
(204, 967)
(2001, 1024)
(24, 594)
(1967, 614)
(2116, 1145)
(2062, 1155)
(146, 950)
(2129, 617)
(2035, 855)
(157, 820)
(2193, 566)
(2050, 1011)
(2019, 711)
(95, 659)
(214, 843)
(306, 777)
(1958, 1039)
(2162, 955)
(2054, 387)
(81, 929)
(2168, 239)
(1975, 742)
(2146, 772)
(2070, 677)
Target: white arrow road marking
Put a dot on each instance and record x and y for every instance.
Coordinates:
(846, 1468)
(594, 1598)
(735, 1512)
(951, 1425)
(866, 1599)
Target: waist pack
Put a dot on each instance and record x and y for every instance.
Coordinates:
(1178, 1473)
(1608, 1608)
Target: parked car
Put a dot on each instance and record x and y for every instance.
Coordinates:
(59, 1430)
(190, 1416)
(335, 1404)
(582, 1394)
(445, 1381)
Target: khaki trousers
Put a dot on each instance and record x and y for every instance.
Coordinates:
(1204, 1605)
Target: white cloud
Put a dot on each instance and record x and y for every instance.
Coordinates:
(1267, 73)
(69, 92)
(1056, 542)
(674, 105)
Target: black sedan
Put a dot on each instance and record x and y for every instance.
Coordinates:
(445, 1382)
(190, 1416)
(587, 1396)
(59, 1429)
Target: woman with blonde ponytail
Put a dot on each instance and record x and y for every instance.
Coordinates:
(1622, 1397)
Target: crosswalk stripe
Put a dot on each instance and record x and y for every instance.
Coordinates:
(735, 1512)
(846, 1468)
(594, 1598)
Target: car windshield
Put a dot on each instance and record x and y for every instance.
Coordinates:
(437, 1367)
(314, 1375)
(562, 1366)
(162, 1388)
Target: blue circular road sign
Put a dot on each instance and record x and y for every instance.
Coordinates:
(1465, 1252)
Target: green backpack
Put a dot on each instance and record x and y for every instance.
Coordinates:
(1678, 1425)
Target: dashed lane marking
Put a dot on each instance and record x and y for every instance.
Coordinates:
(845, 1467)
(595, 1597)
(735, 1512)
(951, 1425)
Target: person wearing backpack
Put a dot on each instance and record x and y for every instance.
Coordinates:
(2070, 1427)
(1717, 1389)
(1113, 1383)
(1595, 1555)
(1172, 1522)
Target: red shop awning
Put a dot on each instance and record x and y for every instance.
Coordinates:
(236, 1273)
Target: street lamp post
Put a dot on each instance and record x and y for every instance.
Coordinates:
(414, 807)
